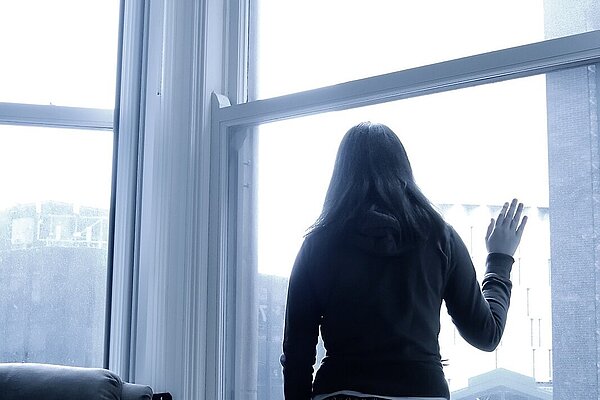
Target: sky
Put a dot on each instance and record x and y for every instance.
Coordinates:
(61, 52)
(303, 45)
(62, 60)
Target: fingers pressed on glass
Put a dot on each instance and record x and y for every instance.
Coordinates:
(522, 226)
(511, 209)
(517, 216)
(502, 214)
(490, 228)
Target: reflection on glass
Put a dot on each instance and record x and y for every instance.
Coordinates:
(458, 143)
(59, 52)
(53, 244)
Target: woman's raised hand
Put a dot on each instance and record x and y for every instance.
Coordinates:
(504, 234)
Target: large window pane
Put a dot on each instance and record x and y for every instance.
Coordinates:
(302, 45)
(59, 52)
(53, 244)
(471, 150)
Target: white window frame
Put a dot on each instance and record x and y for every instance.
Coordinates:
(174, 55)
(228, 119)
(56, 116)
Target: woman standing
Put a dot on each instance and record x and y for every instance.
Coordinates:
(372, 273)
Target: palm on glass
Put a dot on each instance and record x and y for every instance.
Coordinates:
(504, 234)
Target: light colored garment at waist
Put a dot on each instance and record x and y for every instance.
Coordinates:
(358, 394)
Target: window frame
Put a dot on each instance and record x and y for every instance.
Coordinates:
(231, 123)
(56, 116)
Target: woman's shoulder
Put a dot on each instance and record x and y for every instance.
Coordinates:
(322, 237)
(326, 244)
(449, 242)
(441, 233)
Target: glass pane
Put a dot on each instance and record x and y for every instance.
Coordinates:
(471, 150)
(53, 244)
(322, 43)
(59, 52)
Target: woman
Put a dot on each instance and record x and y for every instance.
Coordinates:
(372, 273)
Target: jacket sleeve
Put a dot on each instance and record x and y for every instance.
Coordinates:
(301, 330)
(478, 313)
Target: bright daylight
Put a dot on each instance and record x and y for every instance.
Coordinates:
(160, 242)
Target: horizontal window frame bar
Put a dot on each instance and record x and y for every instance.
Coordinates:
(56, 116)
(511, 63)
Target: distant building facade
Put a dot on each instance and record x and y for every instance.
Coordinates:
(272, 292)
(53, 259)
(501, 384)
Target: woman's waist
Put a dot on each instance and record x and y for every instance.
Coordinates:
(397, 378)
(425, 361)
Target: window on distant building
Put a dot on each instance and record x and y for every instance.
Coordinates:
(56, 152)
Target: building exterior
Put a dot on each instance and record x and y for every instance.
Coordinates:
(501, 384)
(272, 291)
(53, 269)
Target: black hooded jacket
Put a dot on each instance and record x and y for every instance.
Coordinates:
(377, 302)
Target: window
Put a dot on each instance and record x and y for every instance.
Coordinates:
(535, 103)
(56, 156)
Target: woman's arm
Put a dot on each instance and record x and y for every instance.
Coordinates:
(301, 330)
(480, 313)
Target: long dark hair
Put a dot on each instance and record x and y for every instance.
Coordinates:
(372, 170)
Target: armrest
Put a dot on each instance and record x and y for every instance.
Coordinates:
(53, 382)
(133, 391)
(20, 381)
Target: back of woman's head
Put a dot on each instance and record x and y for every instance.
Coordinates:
(372, 170)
